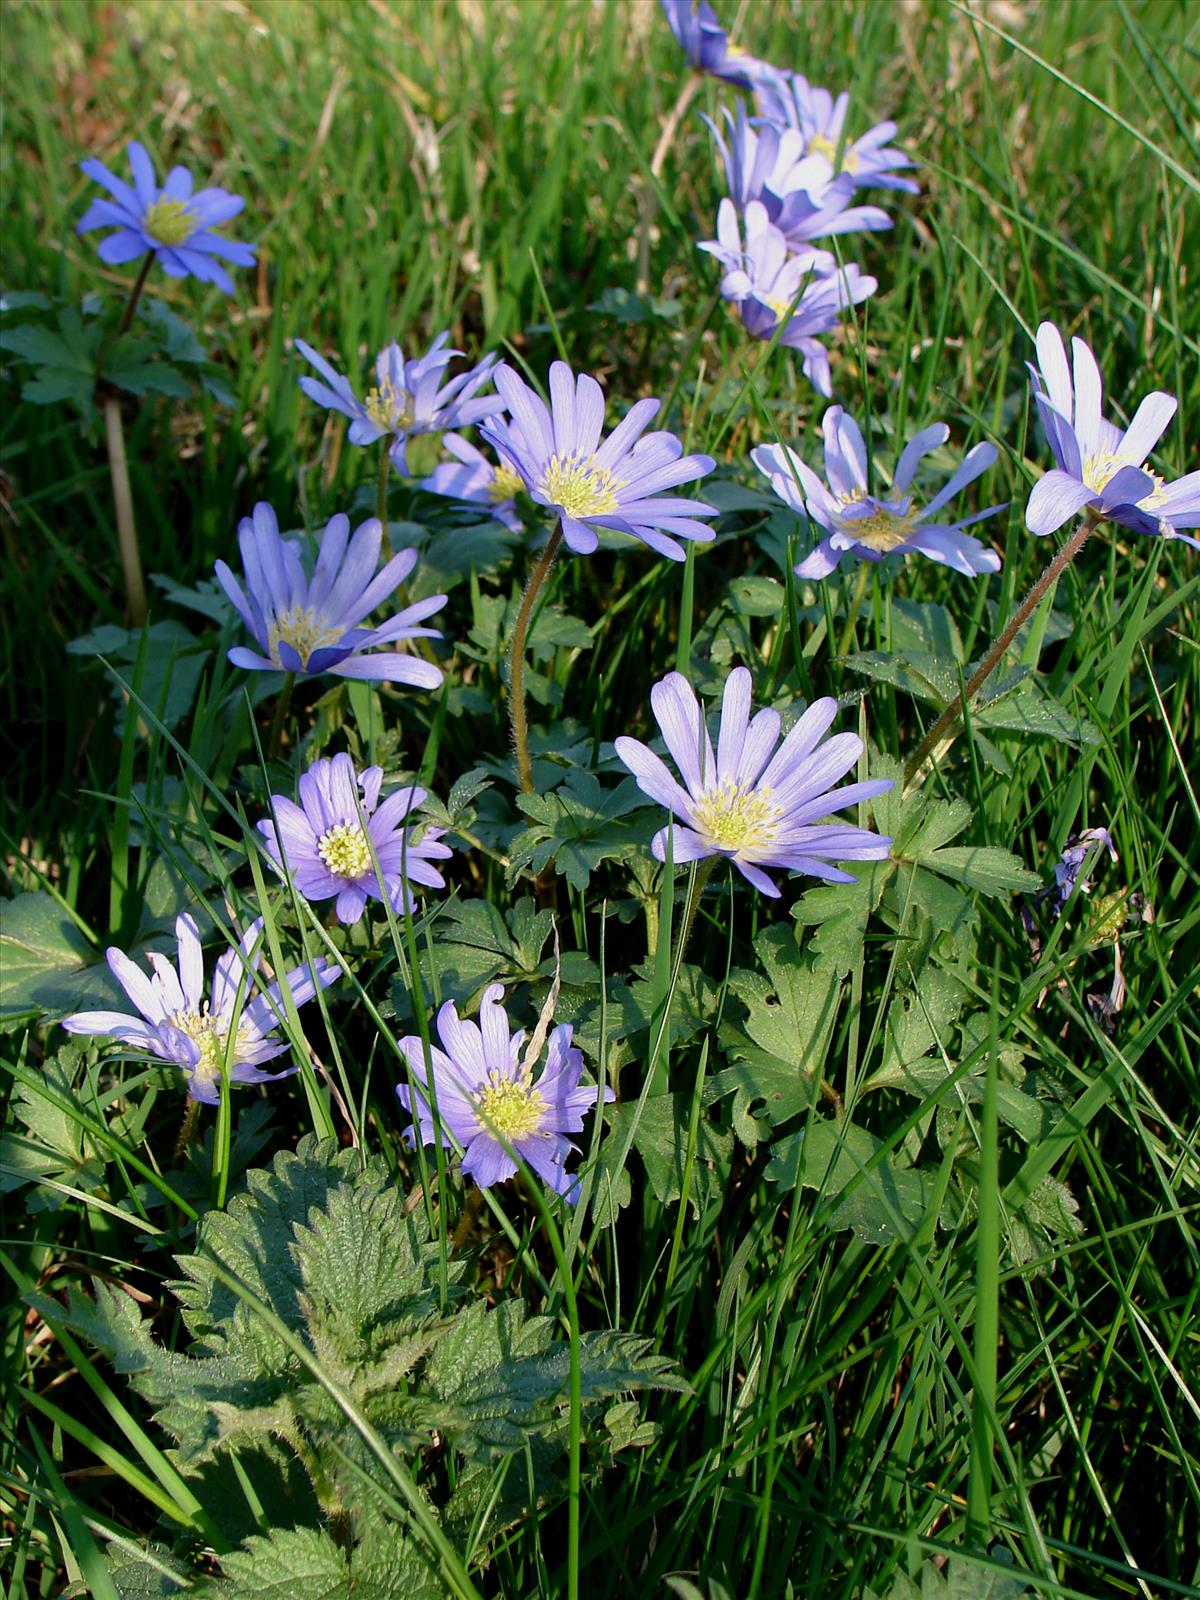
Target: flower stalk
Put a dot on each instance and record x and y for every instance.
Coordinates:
(279, 720)
(516, 672)
(381, 489)
(127, 539)
(944, 731)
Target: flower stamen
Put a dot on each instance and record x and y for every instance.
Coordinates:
(168, 221)
(734, 818)
(303, 630)
(580, 487)
(513, 1109)
(390, 408)
(345, 851)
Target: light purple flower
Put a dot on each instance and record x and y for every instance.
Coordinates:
(1100, 468)
(757, 808)
(487, 1096)
(764, 277)
(1083, 847)
(180, 1027)
(767, 164)
(472, 477)
(311, 625)
(820, 119)
(409, 397)
(706, 45)
(326, 841)
(619, 484)
(861, 524)
(174, 222)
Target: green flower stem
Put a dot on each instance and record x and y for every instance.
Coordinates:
(190, 1118)
(943, 732)
(135, 294)
(282, 706)
(856, 600)
(127, 540)
(385, 462)
(516, 674)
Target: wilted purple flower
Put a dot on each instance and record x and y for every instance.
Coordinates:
(311, 626)
(472, 477)
(820, 119)
(618, 484)
(173, 222)
(766, 163)
(765, 280)
(861, 524)
(707, 47)
(1083, 847)
(327, 840)
(1101, 469)
(183, 1029)
(732, 807)
(409, 397)
(487, 1096)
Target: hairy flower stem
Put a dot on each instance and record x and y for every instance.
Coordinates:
(943, 732)
(135, 294)
(385, 462)
(657, 161)
(127, 540)
(516, 670)
(282, 706)
(188, 1127)
(704, 871)
(855, 606)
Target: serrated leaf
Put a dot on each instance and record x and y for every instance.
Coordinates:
(54, 385)
(882, 1203)
(577, 826)
(44, 1141)
(661, 1139)
(46, 964)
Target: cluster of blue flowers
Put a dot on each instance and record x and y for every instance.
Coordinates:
(762, 799)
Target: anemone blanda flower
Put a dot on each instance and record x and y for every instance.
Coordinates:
(409, 397)
(1082, 848)
(759, 806)
(870, 527)
(767, 164)
(706, 45)
(820, 119)
(323, 842)
(1100, 468)
(764, 277)
(619, 484)
(472, 477)
(311, 625)
(486, 1094)
(175, 222)
(179, 1026)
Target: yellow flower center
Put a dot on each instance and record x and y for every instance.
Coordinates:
(300, 628)
(733, 818)
(512, 1108)
(882, 531)
(1099, 470)
(821, 145)
(345, 851)
(580, 487)
(506, 483)
(388, 407)
(168, 221)
(212, 1042)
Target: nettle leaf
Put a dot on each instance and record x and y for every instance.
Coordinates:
(387, 1565)
(44, 1141)
(779, 1051)
(882, 1203)
(578, 826)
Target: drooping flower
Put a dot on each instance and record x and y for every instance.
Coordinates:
(765, 279)
(1083, 847)
(472, 477)
(174, 222)
(706, 45)
(767, 164)
(820, 119)
(867, 526)
(1100, 468)
(311, 625)
(179, 1026)
(326, 842)
(487, 1096)
(759, 806)
(409, 397)
(619, 484)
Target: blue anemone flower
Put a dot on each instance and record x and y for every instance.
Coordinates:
(311, 625)
(820, 118)
(472, 477)
(174, 222)
(858, 523)
(1100, 468)
(706, 45)
(408, 397)
(618, 484)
